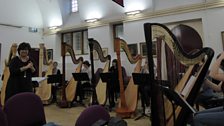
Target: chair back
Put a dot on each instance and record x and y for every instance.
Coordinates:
(25, 109)
(92, 114)
(3, 119)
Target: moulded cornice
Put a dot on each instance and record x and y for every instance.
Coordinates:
(144, 15)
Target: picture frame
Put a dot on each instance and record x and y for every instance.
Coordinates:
(105, 51)
(95, 55)
(50, 54)
(133, 49)
(143, 49)
(222, 34)
(154, 49)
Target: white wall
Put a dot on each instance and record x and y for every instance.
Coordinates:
(9, 35)
(212, 25)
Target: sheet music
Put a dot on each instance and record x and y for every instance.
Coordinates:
(188, 86)
(39, 79)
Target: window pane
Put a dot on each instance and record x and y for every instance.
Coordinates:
(119, 33)
(67, 38)
(74, 5)
(86, 42)
(77, 40)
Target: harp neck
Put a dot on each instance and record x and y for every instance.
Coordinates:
(94, 45)
(68, 49)
(121, 44)
(12, 53)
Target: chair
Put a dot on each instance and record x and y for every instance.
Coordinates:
(25, 109)
(92, 114)
(3, 119)
(88, 89)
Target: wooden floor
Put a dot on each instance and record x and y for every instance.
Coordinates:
(68, 116)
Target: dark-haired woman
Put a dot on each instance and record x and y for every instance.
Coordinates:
(21, 69)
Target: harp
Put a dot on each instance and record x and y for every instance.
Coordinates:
(195, 64)
(6, 71)
(44, 89)
(69, 91)
(128, 97)
(100, 88)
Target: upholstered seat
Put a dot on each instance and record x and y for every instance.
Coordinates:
(3, 119)
(24, 109)
(92, 114)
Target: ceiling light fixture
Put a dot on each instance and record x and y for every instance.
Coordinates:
(91, 20)
(53, 27)
(133, 12)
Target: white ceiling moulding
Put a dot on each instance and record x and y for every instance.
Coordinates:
(142, 15)
(133, 12)
(91, 20)
(10, 25)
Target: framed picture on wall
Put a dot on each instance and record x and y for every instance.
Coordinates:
(133, 49)
(143, 49)
(154, 48)
(105, 51)
(95, 55)
(50, 54)
(222, 34)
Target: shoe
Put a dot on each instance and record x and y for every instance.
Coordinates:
(147, 110)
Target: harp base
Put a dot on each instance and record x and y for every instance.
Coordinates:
(46, 102)
(63, 104)
(124, 112)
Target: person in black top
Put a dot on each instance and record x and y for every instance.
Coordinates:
(83, 84)
(55, 71)
(21, 69)
(114, 85)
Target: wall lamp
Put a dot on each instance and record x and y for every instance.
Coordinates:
(133, 12)
(91, 20)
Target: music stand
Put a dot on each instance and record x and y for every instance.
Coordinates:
(56, 78)
(175, 98)
(81, 76)
(141, 79)
(106, 77)
(36, 81)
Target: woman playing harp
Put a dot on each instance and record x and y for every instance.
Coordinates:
(163, 35)
(6, 72)
(100, 91)
(69, 91)
(128, 97)
(213, 116)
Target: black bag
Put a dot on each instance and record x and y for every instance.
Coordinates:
(117, 121)
(100, 123)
